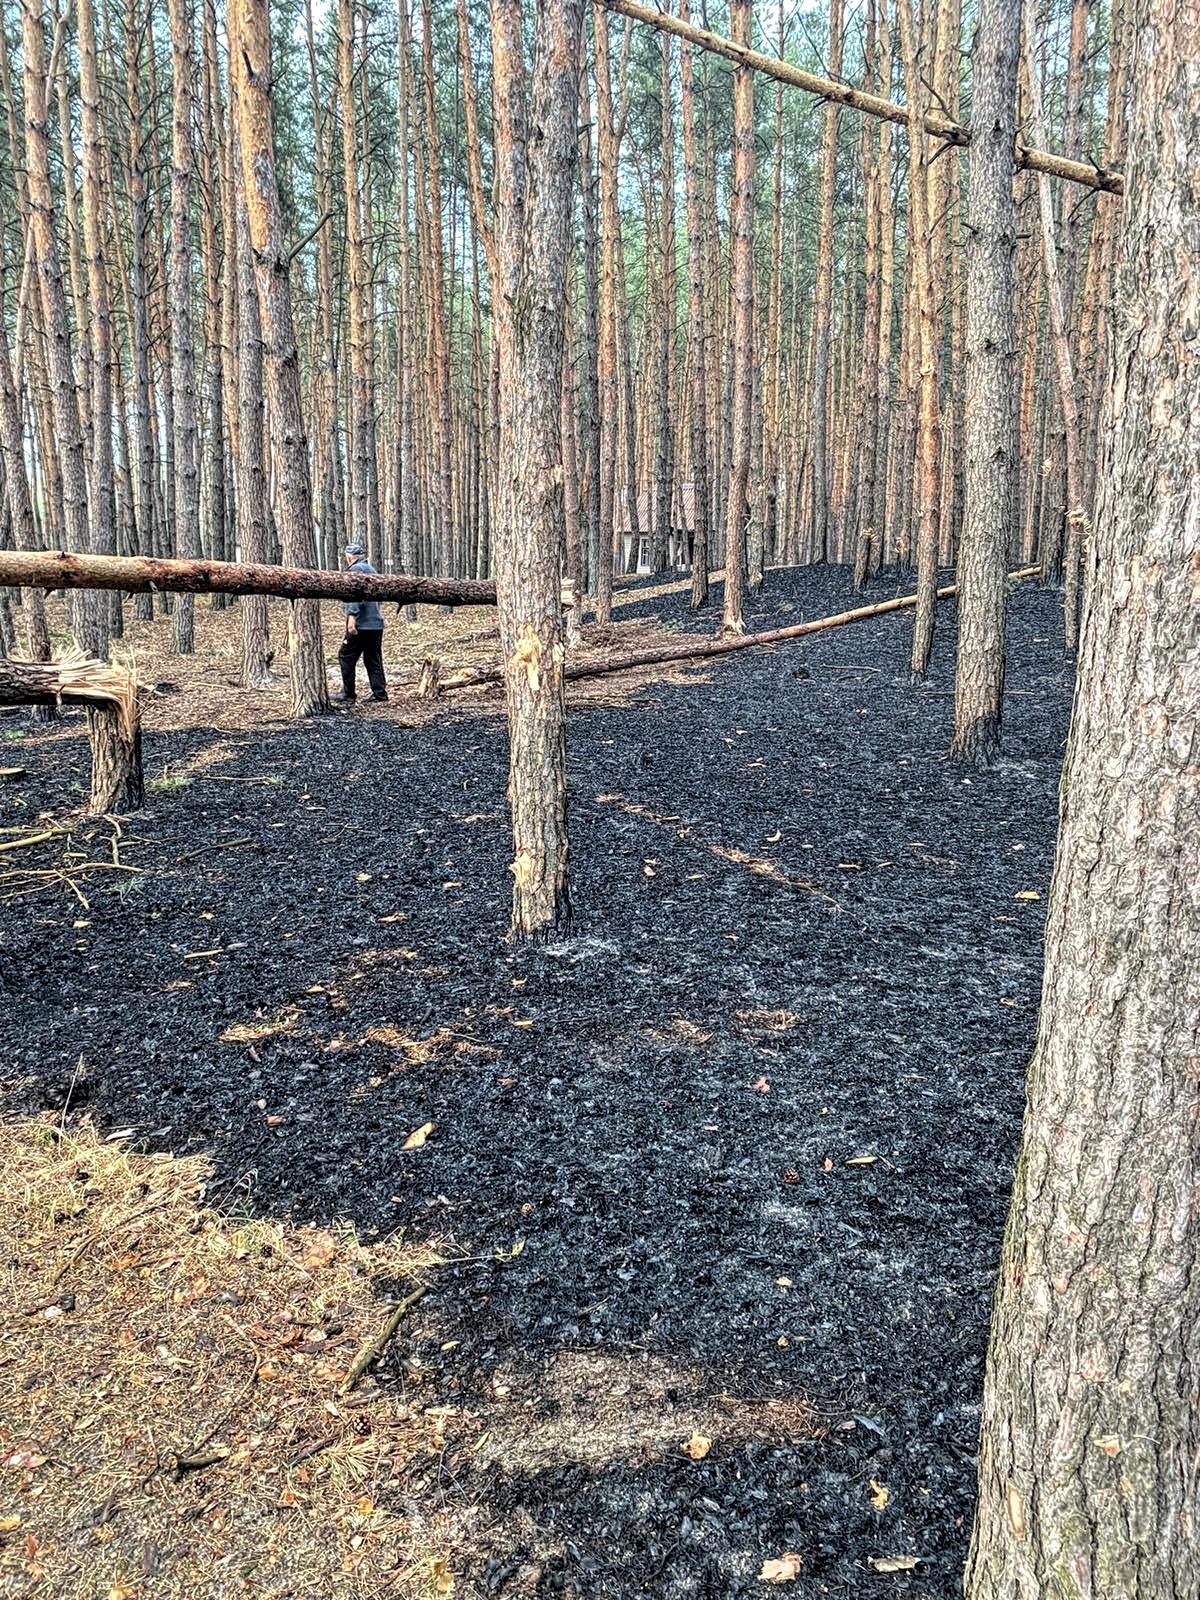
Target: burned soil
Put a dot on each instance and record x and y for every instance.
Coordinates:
(731, 1165)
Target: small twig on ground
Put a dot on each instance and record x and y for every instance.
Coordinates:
(375, 1347)
(207, 849)
(33, 838)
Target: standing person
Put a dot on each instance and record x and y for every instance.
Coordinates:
(364, 636)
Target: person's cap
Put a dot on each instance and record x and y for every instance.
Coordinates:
(354, 550)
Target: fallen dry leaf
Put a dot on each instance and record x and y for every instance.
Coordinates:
(1027, 894)
(419, 1135)
(697, 1446)
(443, 1578)
(781, 1569)
(9, 1524)
(861, 1161)
(879, 1494)
(321, 1250)
(893, 1563)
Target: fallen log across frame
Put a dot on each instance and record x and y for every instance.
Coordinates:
(23, 569)
(114, 727)
(873, 105)
(703, 647)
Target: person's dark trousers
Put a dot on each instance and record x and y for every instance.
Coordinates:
(367, 643)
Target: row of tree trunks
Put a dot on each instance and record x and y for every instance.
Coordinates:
(114, 732)
(706, 646)
(131, 574)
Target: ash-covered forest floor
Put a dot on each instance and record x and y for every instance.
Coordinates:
(734, 1161)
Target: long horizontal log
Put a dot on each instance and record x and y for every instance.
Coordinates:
(21, 569)
(703, 646)
(873, 105)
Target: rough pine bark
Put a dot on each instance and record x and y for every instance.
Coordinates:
(534, 190)
(1090, 1446)
(252, 54)
(989, 416)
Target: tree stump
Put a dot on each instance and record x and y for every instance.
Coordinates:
(114, 726)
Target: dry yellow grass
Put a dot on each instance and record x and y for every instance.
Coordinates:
(172, 1421)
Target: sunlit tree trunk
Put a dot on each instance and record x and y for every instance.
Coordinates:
(533, 208)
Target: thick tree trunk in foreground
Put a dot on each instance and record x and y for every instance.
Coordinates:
(534, 190)
(252, 55)
(1090, 1451)
(741, 224)
(990, 420)
(59, 570)
(110, 695)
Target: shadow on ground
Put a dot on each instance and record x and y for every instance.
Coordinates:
(733, 1161)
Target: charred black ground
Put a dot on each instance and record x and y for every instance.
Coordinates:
(800, 941)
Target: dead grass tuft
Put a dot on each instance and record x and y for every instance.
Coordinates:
(172, 1419)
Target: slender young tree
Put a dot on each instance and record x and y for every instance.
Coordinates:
(697, 354)
(185, 481)
(990, 419)
(741, 223)
(1091, 1432)
(1057, 299)
(822, 333)
(926, 465)
(608, 369)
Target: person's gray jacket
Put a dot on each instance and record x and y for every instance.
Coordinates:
(366, 613)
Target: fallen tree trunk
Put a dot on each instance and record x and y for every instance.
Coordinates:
(874, 105)
(20, 569)
(704, 646)
(114, 730)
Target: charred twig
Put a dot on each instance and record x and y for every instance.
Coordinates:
(375, 1347)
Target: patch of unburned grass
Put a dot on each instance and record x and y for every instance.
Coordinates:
(172, 1414)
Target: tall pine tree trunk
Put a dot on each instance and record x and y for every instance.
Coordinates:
(252, 56)
(741, 227)
(534, 187)
(185, 479)
(990, 419)
(1091, 1432)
